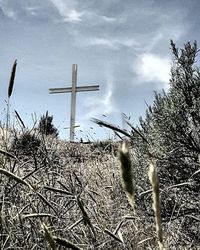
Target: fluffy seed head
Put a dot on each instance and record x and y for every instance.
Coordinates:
(153, 177)
(126, 173)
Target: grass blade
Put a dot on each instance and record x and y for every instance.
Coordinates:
(113, 235)
(7, 154)
(66, 243)
(37, 215)
(20, 119)
(16, 178)
(111, 126)
(49, 237)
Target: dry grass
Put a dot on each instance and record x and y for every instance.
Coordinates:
(71, 197)
(79, 199)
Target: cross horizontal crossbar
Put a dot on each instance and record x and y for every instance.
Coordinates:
(73, 90)
(77, 89)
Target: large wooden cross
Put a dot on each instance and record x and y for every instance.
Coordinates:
(73, 91)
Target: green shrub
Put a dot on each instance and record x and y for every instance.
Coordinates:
(46, 126)
(26, 144)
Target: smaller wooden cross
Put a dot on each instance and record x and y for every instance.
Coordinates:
(73, 91)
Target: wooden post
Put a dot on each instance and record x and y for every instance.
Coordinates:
(73, 102)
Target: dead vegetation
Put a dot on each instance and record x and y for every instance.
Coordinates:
(74, 199)
(77, 199)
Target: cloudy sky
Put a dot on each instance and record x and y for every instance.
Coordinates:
(121, 45)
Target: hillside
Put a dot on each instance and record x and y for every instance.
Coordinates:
(73, 191)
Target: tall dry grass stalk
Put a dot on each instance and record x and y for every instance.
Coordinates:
(153, 177)
(126, 173)
(10, 89)
(86, 218)
(20, 119)
(12, 79)
(110, 126)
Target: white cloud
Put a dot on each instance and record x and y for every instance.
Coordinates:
(96, 19)
(111, 43)
(102, 105)
(67, 11)
(96, 107)
(108, 19)
(151, 67)
(102, 42)
(33, 10)
(8, 12)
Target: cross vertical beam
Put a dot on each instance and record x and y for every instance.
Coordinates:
(73, 101)
(73, 91)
